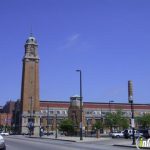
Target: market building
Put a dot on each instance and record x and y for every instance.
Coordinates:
(53, 112)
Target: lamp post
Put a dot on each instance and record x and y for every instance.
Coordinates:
(87, 126)
(56, 126)
(47, 120)
(81, 109)
(111, 127)
(40, 128)
(31, 119)
(111, 101)
(130, 99)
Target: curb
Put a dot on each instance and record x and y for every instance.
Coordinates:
(53, 139)
(131, 146)
(69, 140)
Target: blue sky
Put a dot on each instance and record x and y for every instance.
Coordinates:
(109, 40)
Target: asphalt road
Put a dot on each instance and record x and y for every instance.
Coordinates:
(23, 143)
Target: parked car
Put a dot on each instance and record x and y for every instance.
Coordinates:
(4, 133)
(48, 133)
(145, 133)
(2, 143)
(117, 134)
(128, 133)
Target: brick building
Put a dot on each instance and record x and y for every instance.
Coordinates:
(5, 119)
(9, 107)
(92, 111)
(6, 113)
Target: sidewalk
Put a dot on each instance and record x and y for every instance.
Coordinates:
(72, 139)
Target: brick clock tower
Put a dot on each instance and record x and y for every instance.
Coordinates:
(30, 105)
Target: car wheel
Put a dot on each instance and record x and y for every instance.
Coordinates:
(117, 136)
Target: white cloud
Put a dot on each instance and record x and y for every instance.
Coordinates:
(71, 42)
(74, 37)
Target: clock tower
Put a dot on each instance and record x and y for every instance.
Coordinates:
(30, 104)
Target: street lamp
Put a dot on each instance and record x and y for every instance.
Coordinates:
(81, 109)
(130, 99)
(47, 120)
(31, 119)
(40, 128)
(111, 101)
(56, 126)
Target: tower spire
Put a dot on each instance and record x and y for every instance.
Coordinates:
(31, 33)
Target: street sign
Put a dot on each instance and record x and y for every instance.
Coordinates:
(132, 123)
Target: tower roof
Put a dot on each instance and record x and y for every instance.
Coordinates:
(31, 40)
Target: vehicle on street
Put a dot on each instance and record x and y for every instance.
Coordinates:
(4, 133)
(145, 133)
(48, 133)
(128, 133)
(117, 134)
(2, 143)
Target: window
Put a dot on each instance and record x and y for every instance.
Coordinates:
(58, 112)
(51, 112)
(63, 112)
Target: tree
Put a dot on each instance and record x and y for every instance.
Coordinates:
(116, 120)
(124, 123)
(98, 125)
(66, 126)
(144, 120)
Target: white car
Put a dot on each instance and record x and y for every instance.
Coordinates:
(117, 134)
(2, 143)
(4, 133)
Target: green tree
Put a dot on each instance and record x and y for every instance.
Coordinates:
(66, 126)
(116, 120)
(98, 125)
(124, 123)
(144, 120)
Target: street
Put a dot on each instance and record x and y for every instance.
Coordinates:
(24, 143)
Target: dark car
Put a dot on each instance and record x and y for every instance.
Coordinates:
(145, 133)
(2, 143)
(128, 133)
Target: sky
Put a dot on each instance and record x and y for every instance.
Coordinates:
(109, 40)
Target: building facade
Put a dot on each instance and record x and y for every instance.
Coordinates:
(92, 112)
(53, 112)
(6, 115)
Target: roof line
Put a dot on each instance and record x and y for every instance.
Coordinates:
(92, 102)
